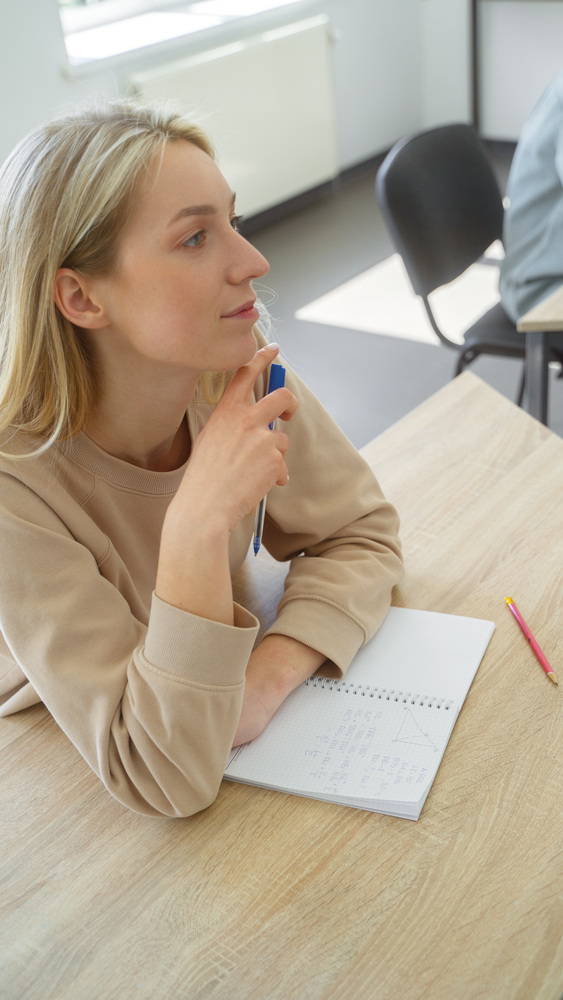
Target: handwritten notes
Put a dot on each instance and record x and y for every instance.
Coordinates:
(348, 745)
(369, 741)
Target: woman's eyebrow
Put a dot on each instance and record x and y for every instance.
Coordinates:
(197, 210)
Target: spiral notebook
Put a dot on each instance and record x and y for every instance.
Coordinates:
(374, 740)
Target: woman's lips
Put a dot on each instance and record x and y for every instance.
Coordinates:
(247, 311)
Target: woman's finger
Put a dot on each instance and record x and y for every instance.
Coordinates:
(283, 478)
(242, 382)
(281, 441)
(280, 403)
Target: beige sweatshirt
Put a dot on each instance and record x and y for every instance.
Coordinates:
(150, 694)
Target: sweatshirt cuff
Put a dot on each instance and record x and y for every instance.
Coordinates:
(321, 625)
(198, 649)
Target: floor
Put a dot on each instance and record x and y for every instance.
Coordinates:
(365, 381)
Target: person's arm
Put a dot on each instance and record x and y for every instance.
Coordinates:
(152, 709)
(275, 668)
(341, 535)
(235, 461)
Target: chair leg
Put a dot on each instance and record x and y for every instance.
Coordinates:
(522, 386)
(465, 358)
(537, 356)
(460, 364)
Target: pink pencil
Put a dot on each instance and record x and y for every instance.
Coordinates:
(531, 639)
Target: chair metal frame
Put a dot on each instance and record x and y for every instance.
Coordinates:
(449, 155)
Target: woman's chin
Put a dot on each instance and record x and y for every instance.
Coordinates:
(241, 355)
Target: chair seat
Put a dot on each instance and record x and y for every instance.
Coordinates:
(443, 207)
(495, 333)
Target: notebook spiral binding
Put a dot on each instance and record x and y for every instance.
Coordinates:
(382, 694)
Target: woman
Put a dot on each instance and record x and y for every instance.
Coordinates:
(127, 490)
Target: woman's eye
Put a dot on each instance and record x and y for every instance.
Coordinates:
(195, 241)
(235, 223)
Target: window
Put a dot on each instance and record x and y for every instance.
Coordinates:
(97, 29)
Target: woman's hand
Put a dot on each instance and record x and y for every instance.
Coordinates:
(277, 666)
(237, 459)
(234, 463)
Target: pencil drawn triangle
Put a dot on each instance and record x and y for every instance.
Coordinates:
(410, 732)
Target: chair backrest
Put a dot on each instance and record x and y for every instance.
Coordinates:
(441, 203)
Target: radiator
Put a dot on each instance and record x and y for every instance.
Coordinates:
(267, 102)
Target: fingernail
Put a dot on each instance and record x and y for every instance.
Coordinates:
(270, 347)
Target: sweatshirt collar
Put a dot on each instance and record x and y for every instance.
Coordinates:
(82, 450)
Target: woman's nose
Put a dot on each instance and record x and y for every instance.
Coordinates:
(248, 262)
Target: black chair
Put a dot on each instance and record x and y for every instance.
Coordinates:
(443, 208)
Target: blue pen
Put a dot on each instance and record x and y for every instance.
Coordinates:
(276, 381)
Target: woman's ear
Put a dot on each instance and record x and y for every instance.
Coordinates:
(75, 299)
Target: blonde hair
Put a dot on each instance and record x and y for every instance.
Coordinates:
(65, 194)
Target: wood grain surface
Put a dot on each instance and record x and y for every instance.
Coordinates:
(266, 896)
(546, 316)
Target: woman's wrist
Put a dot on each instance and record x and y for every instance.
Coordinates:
(185, 524)
(283, 663)
(276, 667)
(193, 568)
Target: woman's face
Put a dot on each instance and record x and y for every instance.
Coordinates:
(182, 293)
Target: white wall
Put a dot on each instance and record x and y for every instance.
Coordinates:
(31, 51)
(391, 58)
(521, 50)
(377, 67)
(446, 62)
(33, 61)
(274, 141)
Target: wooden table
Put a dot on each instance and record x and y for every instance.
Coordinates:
(537, 324)
(271, 896)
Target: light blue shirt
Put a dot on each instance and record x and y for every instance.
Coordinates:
(533, 222)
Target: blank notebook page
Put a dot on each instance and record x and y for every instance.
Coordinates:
(424, 652)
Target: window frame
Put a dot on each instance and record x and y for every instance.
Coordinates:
(93, 15)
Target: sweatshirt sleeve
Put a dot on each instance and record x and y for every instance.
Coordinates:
(153, 710)
(341, 535)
